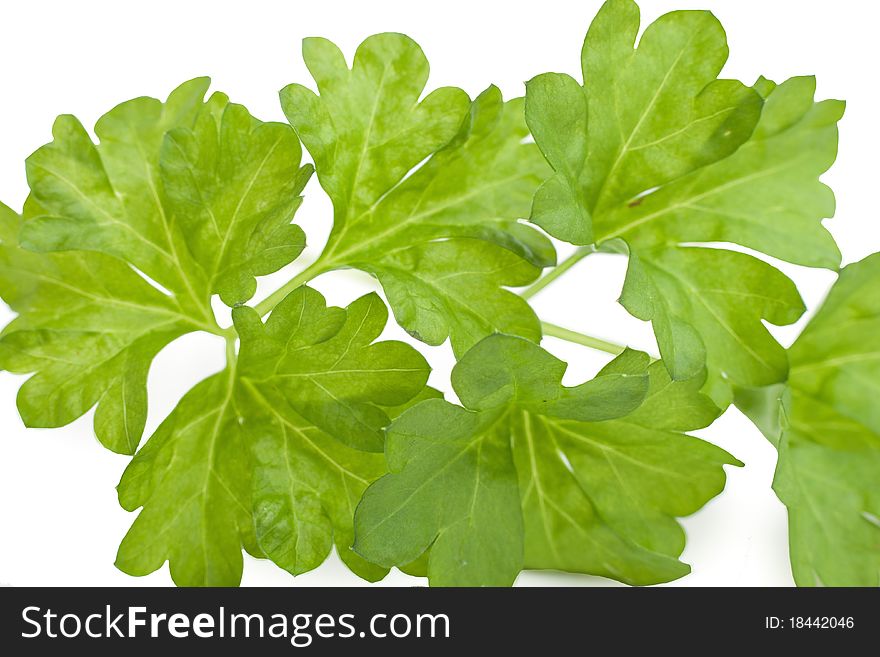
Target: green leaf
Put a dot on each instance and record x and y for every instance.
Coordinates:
(306, 488)
(707, 307)
(426, 194)
(746, 198)
(233, 183)
(453, 288)
(646, 116)
(532, 474)
(108, 198)
(89, 327)
(196, 195)
(828, 436)
(192, 478)
(193, 194)
(325, 363)
(258, 455)
(655, 152)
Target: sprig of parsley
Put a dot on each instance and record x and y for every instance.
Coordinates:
(316, 434)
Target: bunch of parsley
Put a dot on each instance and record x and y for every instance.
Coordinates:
(317, 434)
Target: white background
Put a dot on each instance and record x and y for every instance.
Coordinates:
(60, 523)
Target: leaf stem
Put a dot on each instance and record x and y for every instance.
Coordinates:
(214, 329)
(230, 348)
(558, 271)
(579, 338)
(307, 274)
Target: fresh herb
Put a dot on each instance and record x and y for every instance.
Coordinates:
(531, 474)
(655, 155)
(316, 434)
(826, 425)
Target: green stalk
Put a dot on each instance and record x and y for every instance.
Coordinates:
(230, 347)
(558, 271)
(579, 338)
(313, 270)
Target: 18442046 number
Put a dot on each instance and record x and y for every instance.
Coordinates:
(809, 622)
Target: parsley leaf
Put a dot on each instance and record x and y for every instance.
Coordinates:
(826, 426)
(197, 209)
(531, 474)
(89, 327)
(325, 364)
(233, 184)
(258, 455)
(442, 239)
(654, 154)
(196, 195)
